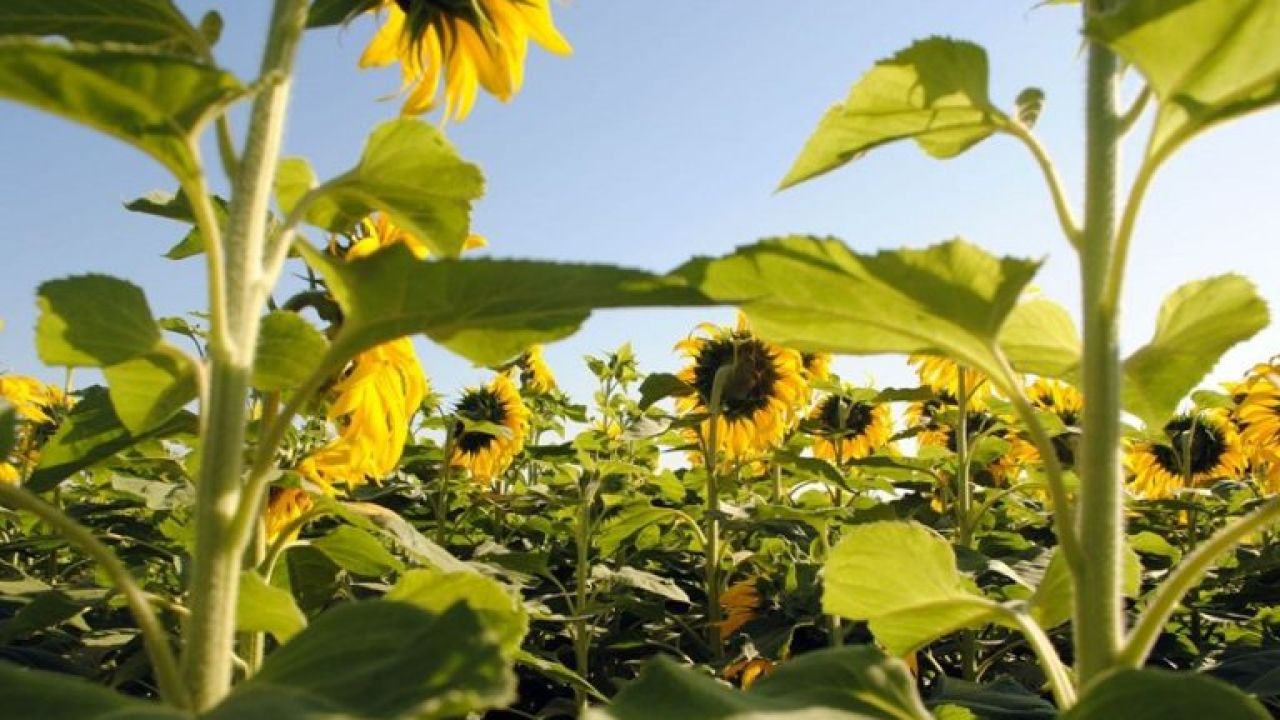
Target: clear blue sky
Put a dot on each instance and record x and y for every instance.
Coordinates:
(662, 137)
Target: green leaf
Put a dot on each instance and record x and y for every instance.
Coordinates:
(497, 606)
(1198, 322)
(48, 696)
(485, 310)
(262, 607)
(358, 552)
(151, 388)
(8, 428)
(154, 23)
(1041, 338)
(324, 13)
(660, 386)
(419, 547)
(619, 528)
(289, 349)
(851, 683)
(1158, 695)
(1030, 103)
(93, 321)
(158, 103)
(1053, 601)
(902, 578)
(818, 295)
(45, 610)
(91, 433)
(640, 580)
(558, 672)
(408, 171)
(1003, 699)
(934, 92)
(178, 207)
(1208, 61)
(383, 659)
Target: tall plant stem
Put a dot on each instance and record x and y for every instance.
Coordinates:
(215, 569)
(1099, 618)
(964, 512)
(582, 571)
(710, 456)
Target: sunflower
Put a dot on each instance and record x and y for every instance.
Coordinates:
(942, 376)
(847, 430)
(741, 603)
(373, 405)
(483, 454)
(933, 429)
(469, 43)
(32, 399)
(9, 474)
(1201, 447)
(747, 671)
(284, 507)
(535, 374)
(1258, 416)
(760, 399)
(377, 231)
(1065, 402)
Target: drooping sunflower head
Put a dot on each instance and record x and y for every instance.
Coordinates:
(484, 454)
(844, 429)
(762, 390)
(942, 376)
(741, 603)
(1067, 403)
(467, 44)
(535, 374)
(284, 506)
(1196, 448)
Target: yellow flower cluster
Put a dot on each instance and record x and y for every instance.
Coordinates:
(36, 405)
(467, 45)
(1258, 417)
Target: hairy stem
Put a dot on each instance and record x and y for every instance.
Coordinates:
(1099, 617)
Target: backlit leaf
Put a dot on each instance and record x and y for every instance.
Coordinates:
(149, 389)
(934, 92)
(262, 607)
(1040, 338)
(1159, 695)
(496, 605)
(154, 23)
(93, 321)
(289, 348)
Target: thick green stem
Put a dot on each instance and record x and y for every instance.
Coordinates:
(1064, 691)
(711, 457)
(154, 636)
(582, 570)
(964, 511)
(1099, 613)
(1189, 574)
(220, 540)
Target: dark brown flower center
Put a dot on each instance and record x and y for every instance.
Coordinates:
(752, 379)
(1191, 439)
(478, 406)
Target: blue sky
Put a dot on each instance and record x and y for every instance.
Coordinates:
(663, 137)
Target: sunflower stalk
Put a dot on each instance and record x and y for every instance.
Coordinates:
(964, 511)
(712, 530)
(582, 626)
(236, 264)
(1099, 616)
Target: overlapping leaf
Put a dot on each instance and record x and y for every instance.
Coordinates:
(153, 23)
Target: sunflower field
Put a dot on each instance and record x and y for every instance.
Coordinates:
(265, 509)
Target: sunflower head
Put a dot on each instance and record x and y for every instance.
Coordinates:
(1066, 402)
(284, 506)
(487, 455)
(1257, 414)
(1196, 448)
(762, 390)
(942, 376)
(378, 231)
(817, 366)
(741, 603)
(467, 44)
(845, 429)
(535, 374)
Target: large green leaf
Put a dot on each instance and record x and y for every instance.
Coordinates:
(156, 102)
(853, 683)
(1198, 322)
(408, 171)
(818, 295)
(1041, 338)
(289, 348)
(149, 389)
(100, 321)
(1158, 695)
(356, 551)
(91, 433)
(48, 696)
(902, 578)
(262, 607)
(1003, 699)
(485, 310)
(383, 659)
(497, 605)
(93, 321)
(153, 23)
(934, 92)
(1208, 61)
